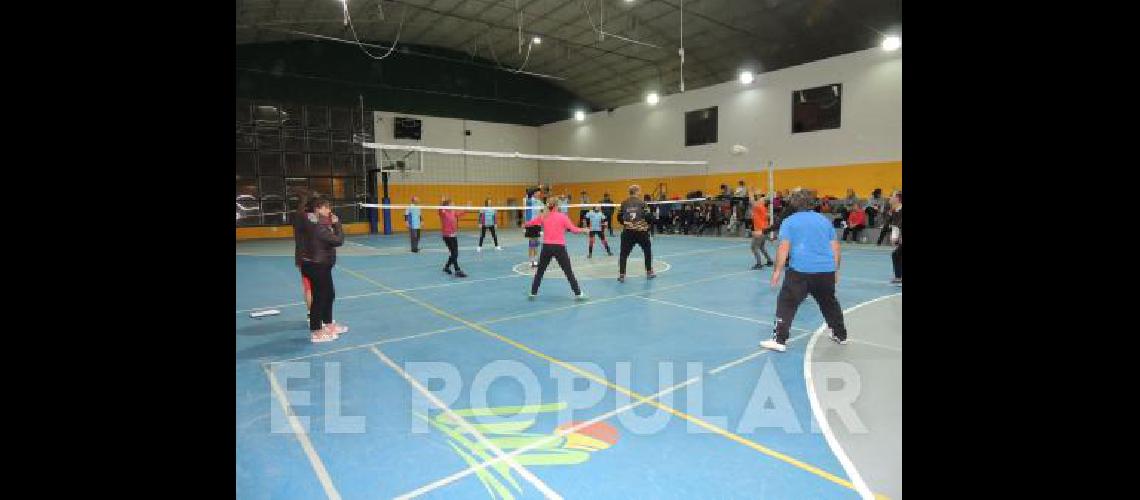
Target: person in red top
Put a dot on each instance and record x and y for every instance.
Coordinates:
(856, 221)
(554, 225)
(760, 232)
(449, 229)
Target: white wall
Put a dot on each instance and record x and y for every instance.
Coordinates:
(757, 116)
(451, 169)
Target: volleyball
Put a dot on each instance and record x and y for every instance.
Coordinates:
(739, 150)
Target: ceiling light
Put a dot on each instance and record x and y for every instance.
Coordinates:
(652, 98)
(580, 115)
(536, 40)
(746, 77)
(892, 42)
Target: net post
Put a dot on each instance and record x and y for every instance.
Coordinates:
(387, 201)
(771, 196)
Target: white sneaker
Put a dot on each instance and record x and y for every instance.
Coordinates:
(321, 336)
(837, 340)
(498, 248)
(773, 345)
(478, 249)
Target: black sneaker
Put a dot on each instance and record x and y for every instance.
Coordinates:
(621, 278)
(447, 270)
(757, 266)
(650, 275)
(838, 340)
(460, 274)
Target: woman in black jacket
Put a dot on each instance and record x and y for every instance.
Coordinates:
(321, 233)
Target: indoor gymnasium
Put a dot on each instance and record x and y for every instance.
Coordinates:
(500, 249)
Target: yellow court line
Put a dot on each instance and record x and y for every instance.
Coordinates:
(709, 426)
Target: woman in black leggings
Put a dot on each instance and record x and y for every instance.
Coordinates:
(554, 226)
(321, 234)
(449, 229)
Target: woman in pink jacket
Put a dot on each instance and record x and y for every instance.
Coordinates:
(554, 226)
(449, 229)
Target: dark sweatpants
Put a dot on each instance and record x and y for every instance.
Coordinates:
(630, 238)
(797, 286)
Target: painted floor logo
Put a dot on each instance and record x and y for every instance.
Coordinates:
(556, 448)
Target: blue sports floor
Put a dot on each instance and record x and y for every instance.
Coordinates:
(674, 396)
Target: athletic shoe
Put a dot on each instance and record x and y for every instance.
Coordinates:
(757, 266)
(338, 328)
(611, 254)
(478, 249)
(447, 270)
(581, 296)
(330, 330)
(531, 296)
(621, 278)
(320, 336)
(460, 274)
(896, 281)
(773, 345)
(838, 340)
(498, 248)
(650, 275)
(589, 256)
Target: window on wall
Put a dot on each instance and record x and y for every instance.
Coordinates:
(406, 128)
(817, 108)
(700, 126)
(283, 147)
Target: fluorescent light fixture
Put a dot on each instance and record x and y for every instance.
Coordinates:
(580, 115)
(652, 98)
(746, 77)
(892, 42)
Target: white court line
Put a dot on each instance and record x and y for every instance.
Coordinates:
(370, 344)
(506, 318)
(706, 311)
(821, 418)
(389, 292)
(731, 364)
(467, 427)
(303, 438)
(604, 300)
(880, 346)
(553, 437)
(514, 275)
(605, 416)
